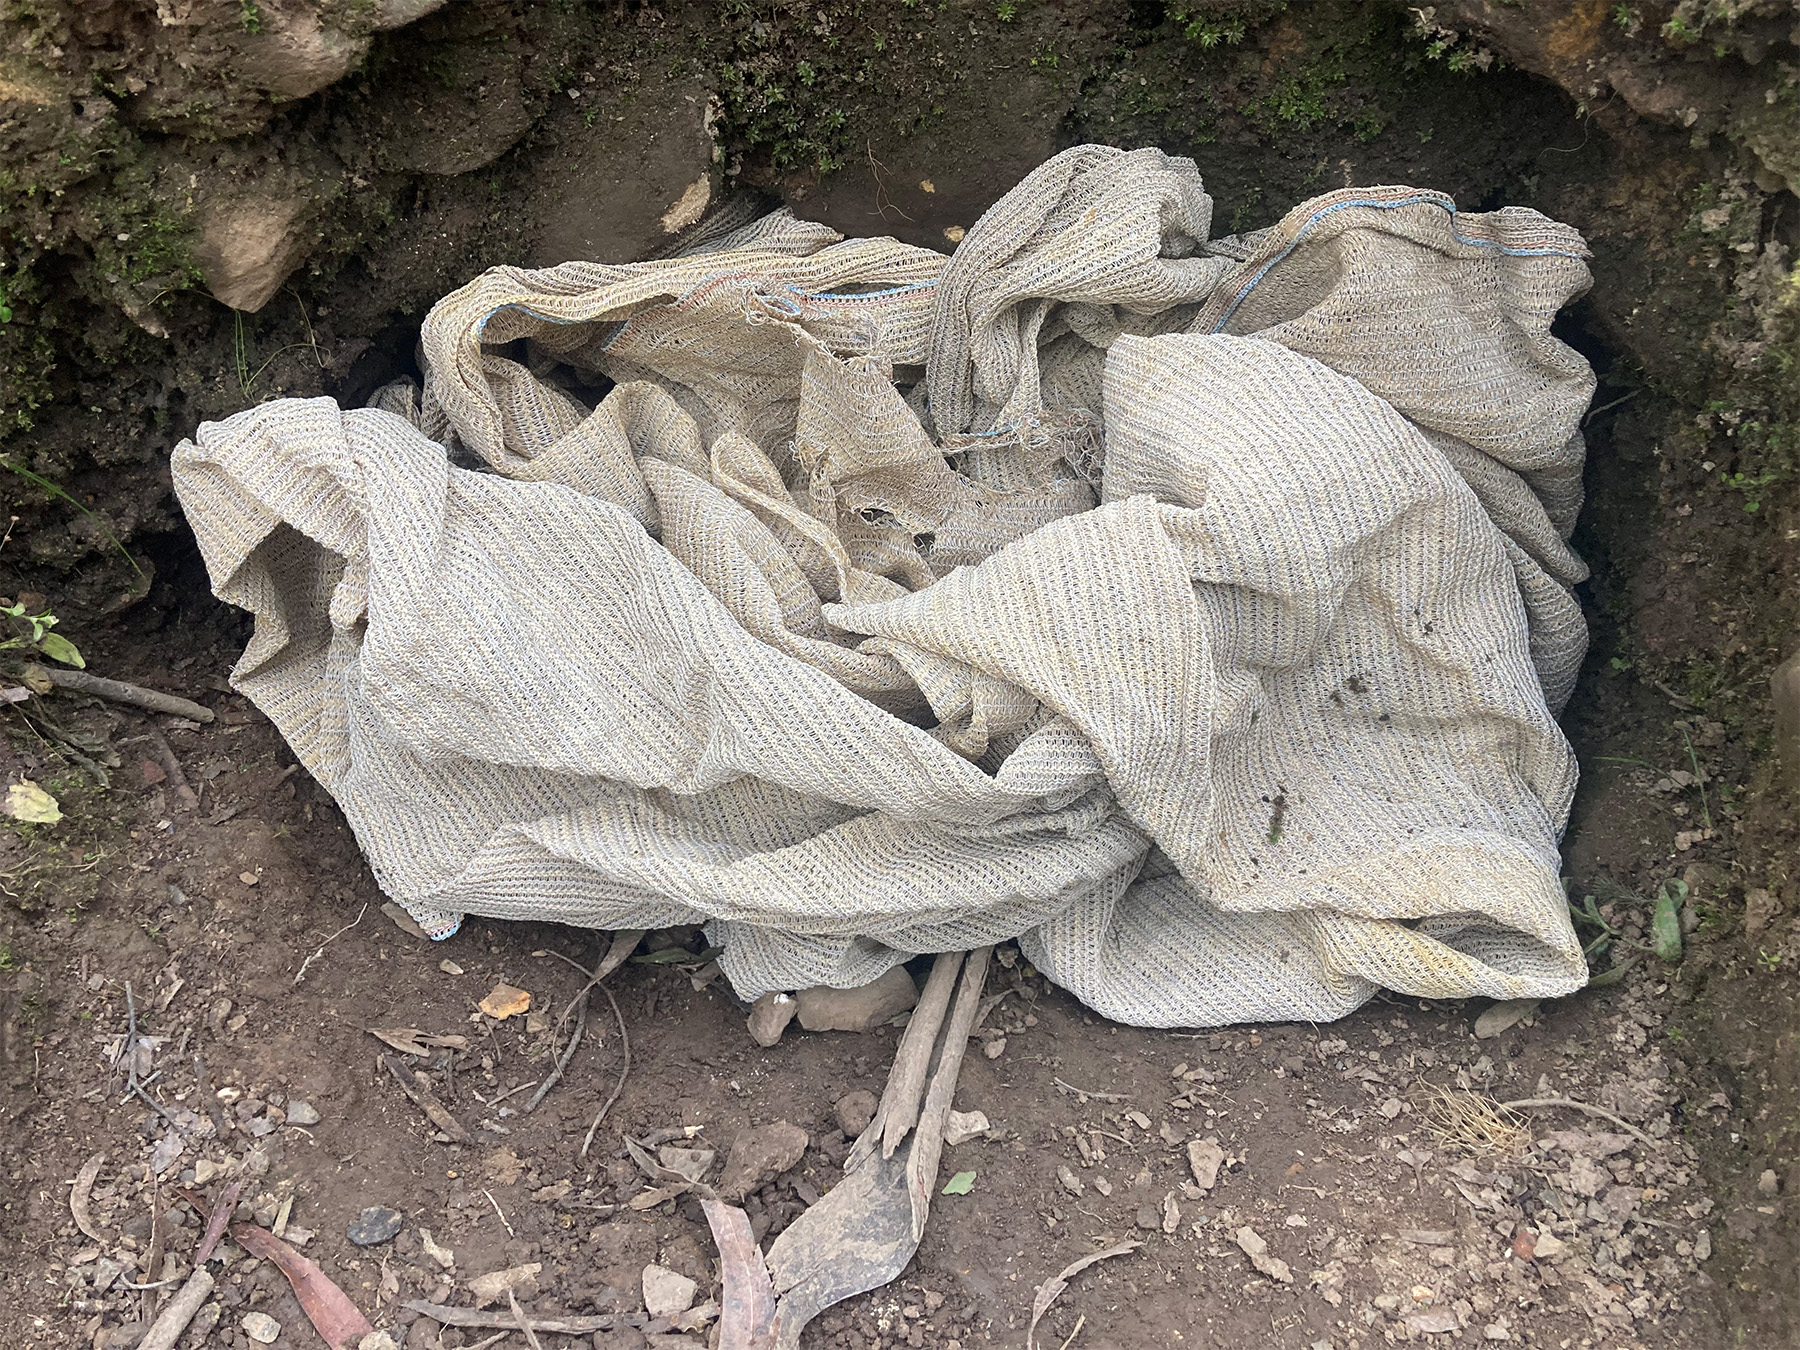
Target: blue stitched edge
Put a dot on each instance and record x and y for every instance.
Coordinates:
(1437, 199)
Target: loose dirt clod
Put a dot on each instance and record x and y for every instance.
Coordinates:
(854, 1110)
(758, 1156)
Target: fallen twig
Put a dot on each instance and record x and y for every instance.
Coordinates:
(430, 1105)
(167, 1328)
(216, 1221)
(1049, 1290)
(624, 942)
(131, 1045)
(518, 1313)
(562, 1061)
(300, 974)
(502, 1213)
(624, 1073)
(78, 1196)
(928, 1143)
(1097, 1096)
(172, 767)
(906, 1083)
(561, 1326)
(117, 691)
(1531, 1103)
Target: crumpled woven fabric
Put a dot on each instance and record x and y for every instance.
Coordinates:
(1194, 611)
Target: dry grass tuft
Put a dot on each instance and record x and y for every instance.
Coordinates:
(1471, 1121)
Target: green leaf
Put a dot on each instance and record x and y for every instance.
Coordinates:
(59, 648)
(959, 1184)
(1665, 926)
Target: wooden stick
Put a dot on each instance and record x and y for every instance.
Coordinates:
(430, 1105)
(928, 1146)
(117, 691)
(624, 1073)
(1531, 1103)
(167, 1329)
(900, 1101)
(519, 1317)
(562, 1326)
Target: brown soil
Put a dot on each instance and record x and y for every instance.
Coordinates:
(1388, 1218)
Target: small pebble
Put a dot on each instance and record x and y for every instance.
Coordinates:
(995, 1048)
(854, 1111)
(261, 1328)
(375, 1225)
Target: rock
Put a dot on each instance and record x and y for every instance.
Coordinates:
(1205, 1158)
(293, 54)
(879, 1001)
(1768, 1183)
(378, 1340)
(1703, 1245)
(1504, 1015)
(854, 1111)
(205, 1169)
(687, 1162)
(1547, 1247)
(126, 1335)
(667, 1292)
(442, 1255)
(493, 1287)
(1250, 1242)
(1070, 1182)
(375, 1225)
(261, 1328)
(760, 1155)
(962, 1126)
(1432, 1322)
(769, 1017)
(1586, 1177)
(248, 246)
(1149, 1218)
(995, 1048)
(1760, 909)
(301, 1112)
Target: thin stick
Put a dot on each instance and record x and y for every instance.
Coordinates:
(1528, 1103)
(131, 1080)
(562, 1326)
(624, 943)
(172, 766)
(519, 1317)
(433, 1109)
(624, 1073)
(117, 691)
(497, 1336)
(502, 1213)
(1097, 1096)
(562, 1060)
(167, 1329)
(1080, 1321)
(928, 1143)
(301, 973)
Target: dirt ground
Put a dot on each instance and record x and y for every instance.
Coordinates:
(259, 959)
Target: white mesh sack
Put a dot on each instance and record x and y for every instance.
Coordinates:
(1193, 611)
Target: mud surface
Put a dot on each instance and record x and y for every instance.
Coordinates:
(388, 154)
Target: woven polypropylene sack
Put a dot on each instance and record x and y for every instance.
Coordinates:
(1197, 617)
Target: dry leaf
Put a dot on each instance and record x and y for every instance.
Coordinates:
(329, 1309)
(28, 802)
(747, 1312)
(1049, 1290)
(412, 1041)
(506, 1001)
(78, 1197)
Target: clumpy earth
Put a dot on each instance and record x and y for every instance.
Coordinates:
(209, 203)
